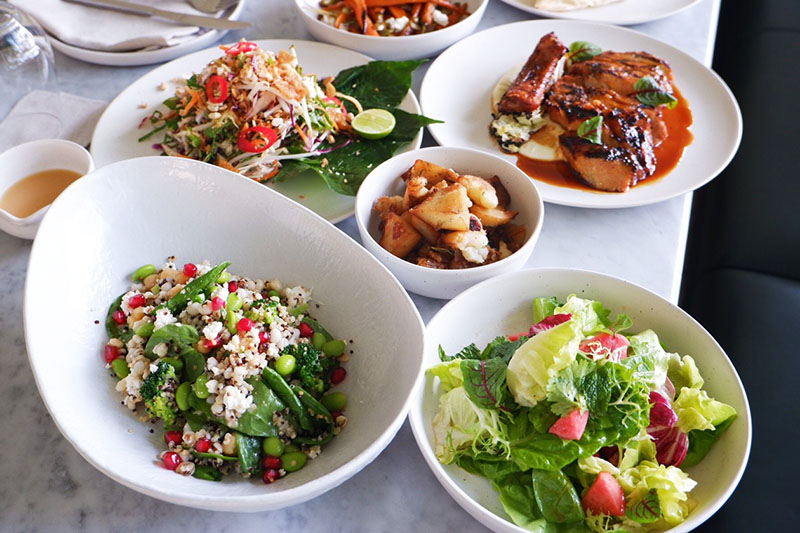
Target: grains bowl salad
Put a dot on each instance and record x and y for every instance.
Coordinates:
(236, 368)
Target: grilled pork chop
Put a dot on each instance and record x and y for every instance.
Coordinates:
(526, 93)
(619, 71)
(603, 167)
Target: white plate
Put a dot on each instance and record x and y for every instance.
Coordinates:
(717, 121)
(115, 136)
(143, 210)
(625, 13)
(147, 57)
(502, 306)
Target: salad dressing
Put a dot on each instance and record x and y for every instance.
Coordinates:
(667, 154)
(33, 192)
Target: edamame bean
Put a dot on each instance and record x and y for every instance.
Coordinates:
(334, 348)
(293, 461)
(225, 277)
(120, 367)
(145, 330)
(318, 340)
(234, 302)
(176, 363)
(291, 448)
(232, 321)
(200, 389)
(274, 293)
(144, 271)
(335, 401)
(273, 446)
(182, 395)
(285, 365)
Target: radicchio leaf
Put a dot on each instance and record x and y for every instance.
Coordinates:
(671, 443)
(549, 323)
(485, 381)
(662, 416)
(647, 510)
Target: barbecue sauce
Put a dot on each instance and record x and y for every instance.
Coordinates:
(667, 154)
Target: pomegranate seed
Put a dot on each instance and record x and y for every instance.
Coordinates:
(203, 445)
(118, 316)
(233, 286)
(137, 300)
(111, 353)
(338, 375)
(263, 337)
(173, 437)
(273, 463)
(189, 270)
(212, 344)
(335, 415)
(244, 325)
(305, 330)
(217, 303)
(271, 475)
(171, 460)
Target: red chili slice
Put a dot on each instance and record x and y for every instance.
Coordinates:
(336, 101)
(256, 139)
(240, 48)
(217, 89)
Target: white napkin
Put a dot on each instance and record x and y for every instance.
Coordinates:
(112, 31)
(47, 115)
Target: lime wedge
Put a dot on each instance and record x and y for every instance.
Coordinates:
(374, 123)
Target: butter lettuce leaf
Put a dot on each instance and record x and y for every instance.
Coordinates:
(697, 411)
(449, 374)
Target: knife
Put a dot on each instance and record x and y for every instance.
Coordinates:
(139, 9)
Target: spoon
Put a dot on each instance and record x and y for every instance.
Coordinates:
(212, 6)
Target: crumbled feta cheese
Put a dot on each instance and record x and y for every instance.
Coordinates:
(212, 331)
(397, 24)
(440, 18)
(163, 317)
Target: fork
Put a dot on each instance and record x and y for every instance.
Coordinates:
(212, 6)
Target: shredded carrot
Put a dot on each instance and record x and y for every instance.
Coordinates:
(369, 27)
(270, 174)
(302, 135)
(415, 12)
(397, 12)
(443, 3)
(191, 103)
(339, 20)
(359, 8)
(222, 162)
(427, 13)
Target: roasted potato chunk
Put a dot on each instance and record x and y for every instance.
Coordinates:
(473, 245)
(503, 198)
(388, 204)
(447, 209)
(427, 231)
(399, 236)
(479, 191)
(492, 217)
(431, 172)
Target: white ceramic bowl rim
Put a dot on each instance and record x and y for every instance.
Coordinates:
(305, 8)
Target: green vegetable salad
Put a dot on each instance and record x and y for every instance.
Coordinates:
(578, 425)
(236, 368)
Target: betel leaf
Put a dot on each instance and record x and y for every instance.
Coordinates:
(592, 130)
(485, 381)
(381, 84)
(701, 441)
(583, 50)
(556, 496)
(650, 93)
(647, 510)
(345, 168)
(502, 348)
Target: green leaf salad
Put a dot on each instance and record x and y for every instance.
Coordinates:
(578, 426)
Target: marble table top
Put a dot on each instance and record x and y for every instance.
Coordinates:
(45, 485)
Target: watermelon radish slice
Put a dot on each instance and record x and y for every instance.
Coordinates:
(571, 426)
(605, 496)
(606, 346)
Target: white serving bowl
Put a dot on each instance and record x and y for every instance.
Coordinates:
(385, 181)
(393, 48)
(143, 210)
(502, 306)
(29, 158)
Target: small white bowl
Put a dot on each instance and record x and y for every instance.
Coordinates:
(143, 210)
(502, 306)
(393, 48)
(385, 181)
(29, 158)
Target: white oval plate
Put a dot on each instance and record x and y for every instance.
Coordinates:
(115, 136)
(502, 306)
(143, 210)
(717, 121)
(624, 13)
(147, 57)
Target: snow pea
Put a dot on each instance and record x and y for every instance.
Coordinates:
(248, 451)
(318, 412)
(195, 287)
(316, 326)
(112, 328)
(276, 382)
(209, 455)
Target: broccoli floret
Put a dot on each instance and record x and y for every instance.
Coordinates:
(312, 367)
(158, 392)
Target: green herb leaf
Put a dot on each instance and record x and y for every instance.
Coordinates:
(543, 308)
(621, 323)
(381, 84)
(192, 82)
(651, 94)
(502, 348)
(647, 510)
(583, 50)
(248, 449)
(556, 496)
(259, 423)
(179, 337)
(592, 130)
(485, 381)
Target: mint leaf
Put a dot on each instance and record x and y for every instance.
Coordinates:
(485, 381)
(583, 50)
(565, 389)
(647, 510)
(592, 130)
(651, 94)
(502, 348)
